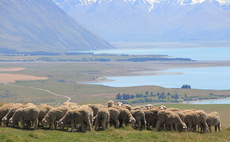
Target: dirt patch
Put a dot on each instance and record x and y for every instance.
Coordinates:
(11, 78)
(11, 69)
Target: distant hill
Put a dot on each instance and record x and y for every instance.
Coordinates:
(40, 25)
(153, 20)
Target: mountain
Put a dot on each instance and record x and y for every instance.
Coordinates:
(40, 25)
(153, 20)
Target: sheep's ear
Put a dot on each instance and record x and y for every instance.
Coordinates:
(45, 120)
(184, 127)
(62, 123)
(130, 120)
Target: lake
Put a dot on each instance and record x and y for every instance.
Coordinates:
(214, 78)
(220, 101)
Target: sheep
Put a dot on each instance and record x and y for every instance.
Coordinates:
(162, 107)
(95, 108)
(10, 113)
(72, 106)
(90, 110)
(149, 106)
(4, 110)
(102, 118)
(78, 116)
(44, 108)
(114, 116)
(54, 115)
(151, 117)
(173, 109)
(139, 115)
(169, 118)
(125, 116)
(194, 118)
(110, 103)
(213, 119)
(26, 114)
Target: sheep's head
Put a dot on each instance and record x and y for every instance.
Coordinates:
(45, 123)
(61, 124)
(132, 121)
(4, 120)
(10, 121)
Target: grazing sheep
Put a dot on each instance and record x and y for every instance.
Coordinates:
(95, 108)
(70, 105)
(213, 119)
(139, 115)
(169, 118)
(90, 110)
(10, 113)
(110, 103)
(54, 115)
(125, 116)
(26, 114)
(194, 118)
(102, 118)
(44, 109)
(151, 117)
(4, 110)
(114, 116)
(78, 116)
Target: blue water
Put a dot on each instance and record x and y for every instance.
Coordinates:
(220, 53)
(221, 101)
(215, 78)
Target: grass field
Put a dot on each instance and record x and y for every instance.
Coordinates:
(124, 134)
(127, 134)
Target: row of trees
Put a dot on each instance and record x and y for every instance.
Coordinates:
(161, 95)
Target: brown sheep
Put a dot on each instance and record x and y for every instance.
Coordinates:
(213, 119)
(139, 115)
(151, 117)
(114, 116)
(26, 114)
(102, 118)
(54, 115)
(77, 116)
(125, 116)
(169, 118)
(194, 118)
(44, 109)
(90, 112)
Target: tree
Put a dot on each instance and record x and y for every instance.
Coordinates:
(147, 92)
(185, 95)
(162, 96)
(125, 96)
(118, 96)
(158, 93)
(139, 95)
(132, 97)
(169, 94)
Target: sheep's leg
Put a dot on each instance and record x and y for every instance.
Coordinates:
(219, 127)
(103, 124)
(96, 124)
(138, 125)
(51, 124)
(35, 124)
(210, 127)
(22, 123)
(116, 123)
(158, 125)
(72, 126)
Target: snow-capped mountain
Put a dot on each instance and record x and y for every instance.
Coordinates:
(153, 20)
